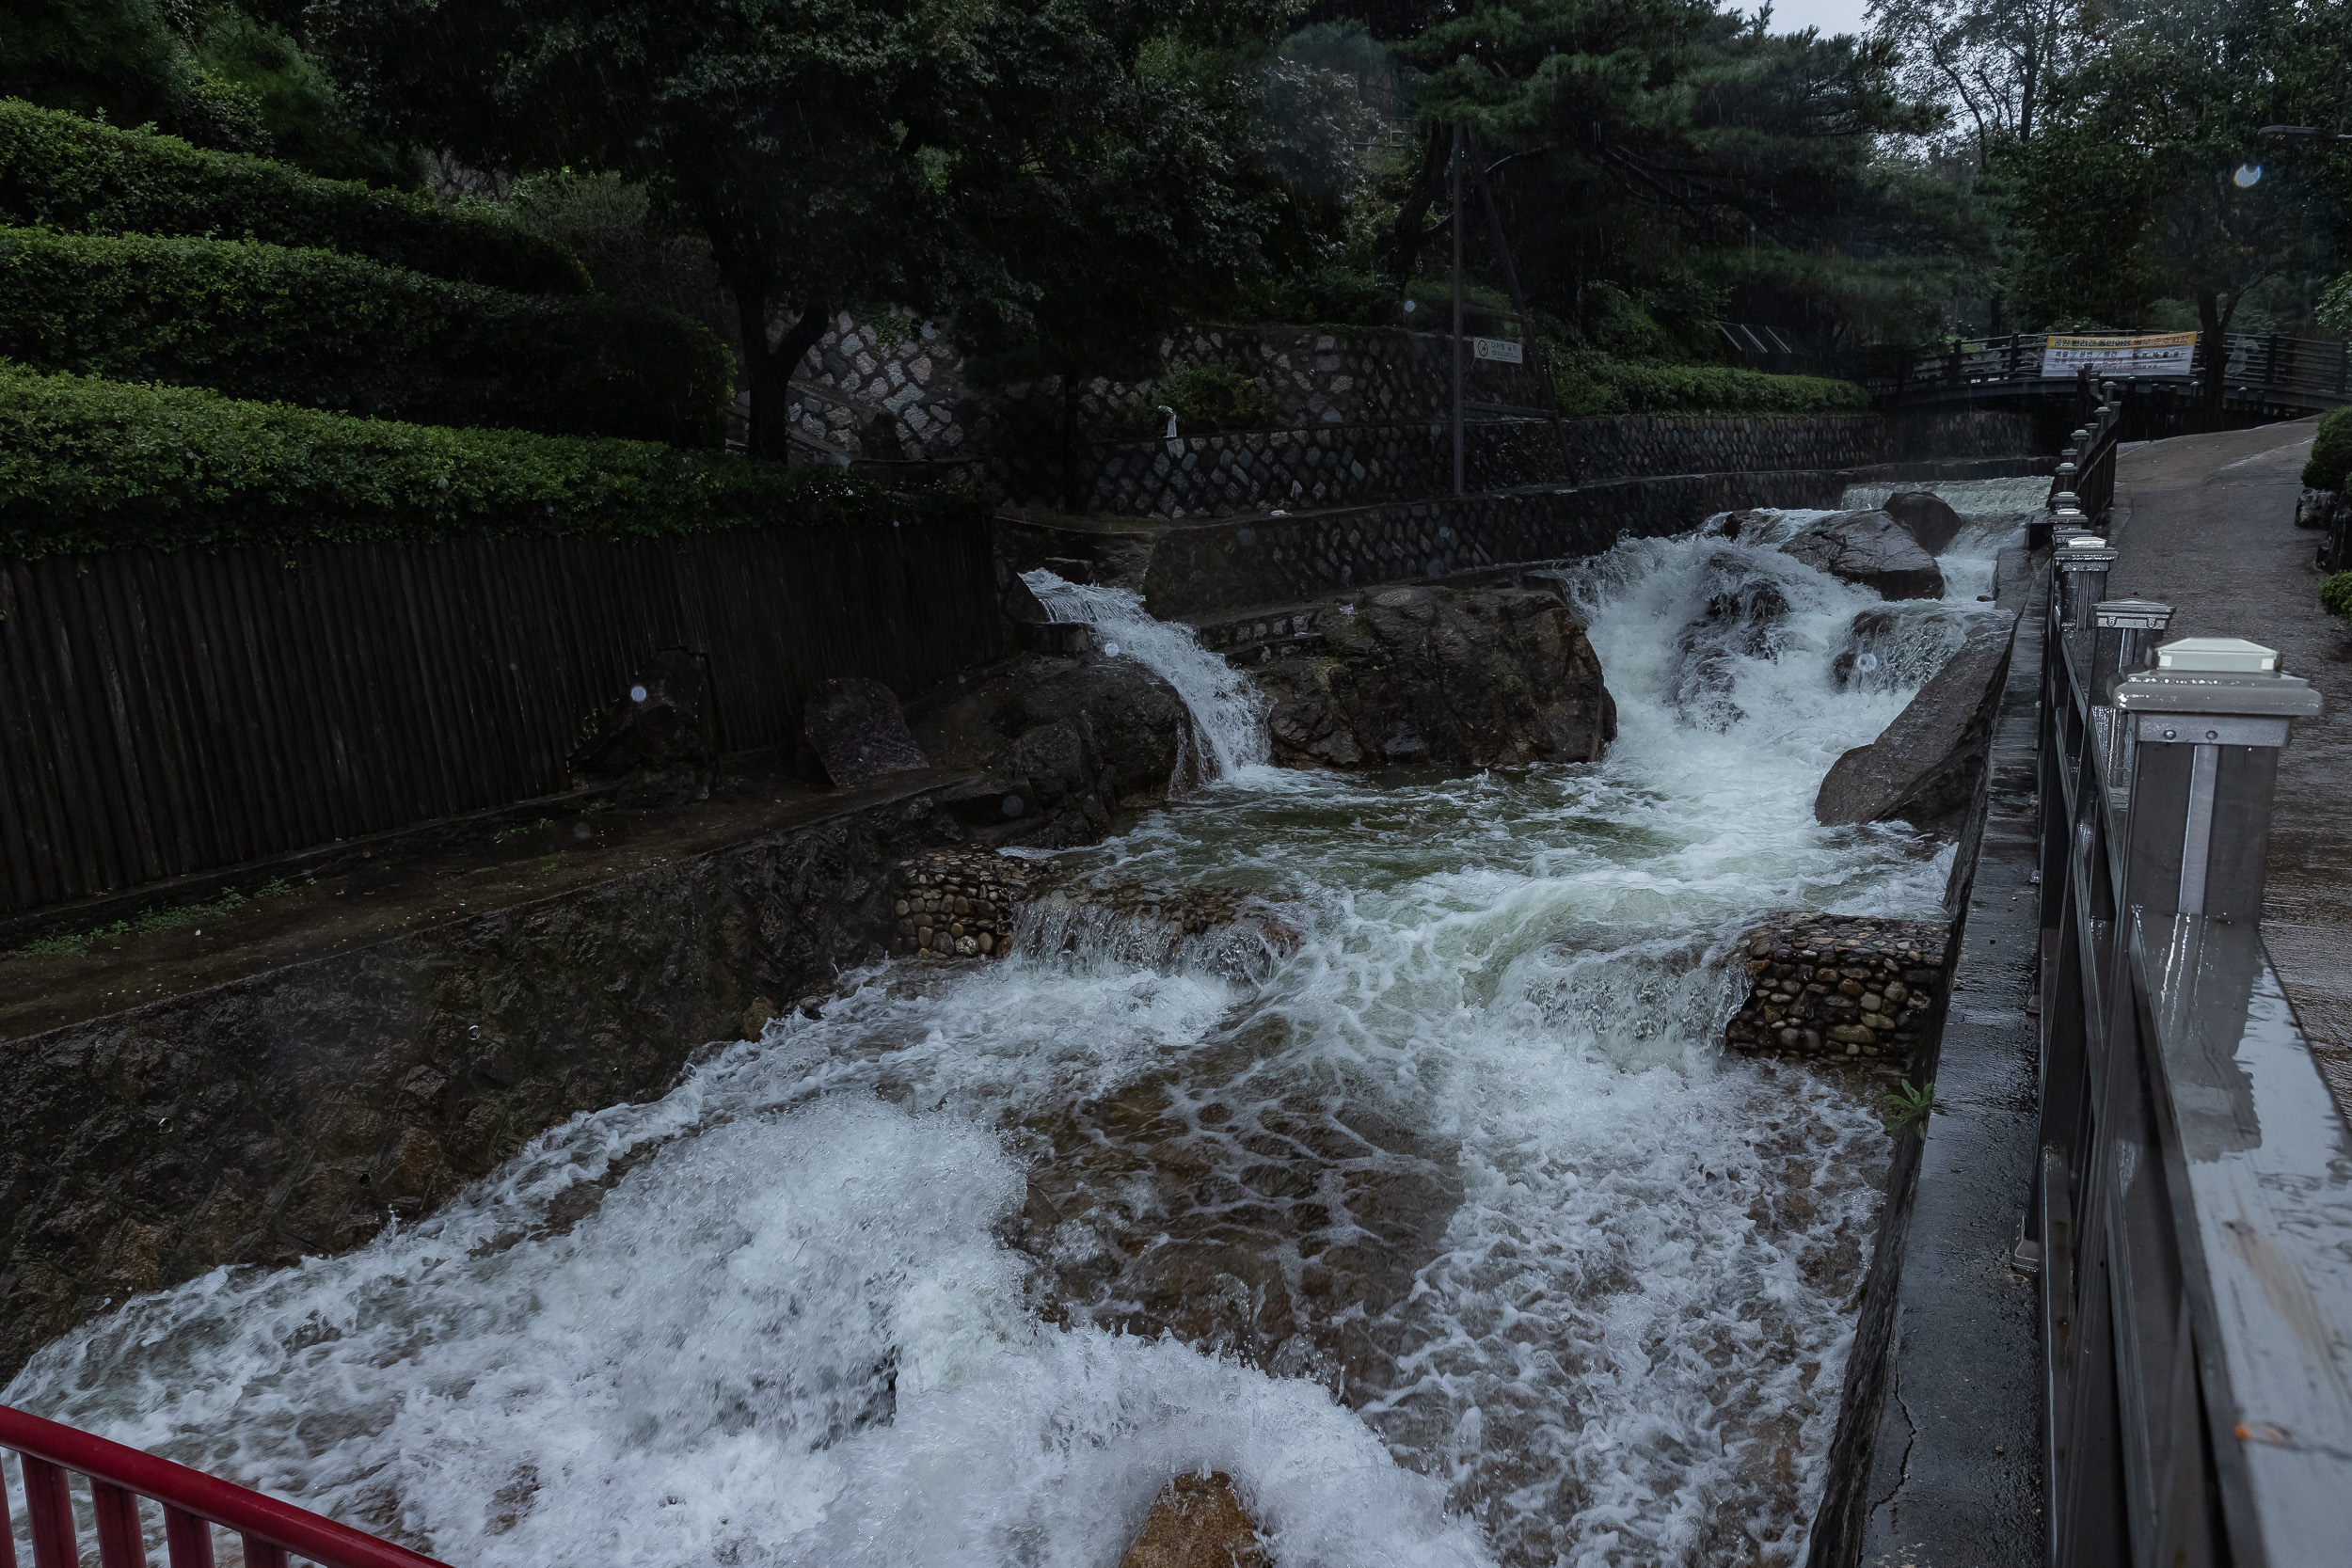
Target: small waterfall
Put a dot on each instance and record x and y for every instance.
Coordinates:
(1228, 712)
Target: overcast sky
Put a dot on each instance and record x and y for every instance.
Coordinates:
(1830, 16)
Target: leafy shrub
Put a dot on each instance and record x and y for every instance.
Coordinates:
(1212, 397)
(92, 464)
(58, 171)
(1591, 384)
(2335, 595)
(2332, 452)
(267, 323)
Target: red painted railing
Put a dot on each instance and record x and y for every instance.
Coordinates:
(193, 1502)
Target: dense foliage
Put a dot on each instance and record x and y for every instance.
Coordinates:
(327, 331)
(1065, 178)
(1589, 383)
(61, 171)
(209, 73)
(2330, 463)
(92, 464)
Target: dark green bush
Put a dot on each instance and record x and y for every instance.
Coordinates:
(1591, 384)
(60, 171)
(1209, 398)
(92, 464)
(2332, 452)
(327, 331)
(2335, 595)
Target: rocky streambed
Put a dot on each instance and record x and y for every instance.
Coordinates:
(1363, 1133)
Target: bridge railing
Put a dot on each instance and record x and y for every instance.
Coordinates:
(2192, 1213)
(2256, 365)
(191, 1505)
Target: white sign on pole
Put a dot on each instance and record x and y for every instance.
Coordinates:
(1502, 351)
(2156, 353)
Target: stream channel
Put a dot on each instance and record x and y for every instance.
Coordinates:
(1450, 1232)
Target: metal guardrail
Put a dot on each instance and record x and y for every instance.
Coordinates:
(2192, 1213)
(272, 1533)
(2311, 371)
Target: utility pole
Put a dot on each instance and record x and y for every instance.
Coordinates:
(1457, 307)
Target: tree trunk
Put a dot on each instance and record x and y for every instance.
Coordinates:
(769, 370)
(2212, 326)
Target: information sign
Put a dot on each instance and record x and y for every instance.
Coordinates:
(1502, 351)
(2148, 355)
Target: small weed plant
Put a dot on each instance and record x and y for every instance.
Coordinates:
(1908, 1108)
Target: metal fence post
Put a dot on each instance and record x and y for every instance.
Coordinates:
(2205, 727)
(2081, 562)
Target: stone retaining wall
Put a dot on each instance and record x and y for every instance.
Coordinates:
(1194, 567)
(1839, 987)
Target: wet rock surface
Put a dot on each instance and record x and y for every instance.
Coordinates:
(1930, 519)
(1457, 677)
(1870, 549)
(1838, 987)
(855, 731)
(1924, 767)
(1063, 741)
(1197, 1522)
(658, 740)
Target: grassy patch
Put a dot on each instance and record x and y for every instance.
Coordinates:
(171, 917)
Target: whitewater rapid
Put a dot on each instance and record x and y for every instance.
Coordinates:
(1452, 1235)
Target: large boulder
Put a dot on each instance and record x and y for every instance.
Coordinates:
(1872, 549)
(1930, 519)
(855, 730)
(1453, 677)
(1063, 741)
(1923, 768)
(658, 740)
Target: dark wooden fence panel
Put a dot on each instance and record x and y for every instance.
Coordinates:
(168, 713)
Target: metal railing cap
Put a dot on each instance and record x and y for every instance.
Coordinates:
(2247, 695)
(2133, 614)
(2232, 655)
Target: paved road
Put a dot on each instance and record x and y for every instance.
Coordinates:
(2206, 524)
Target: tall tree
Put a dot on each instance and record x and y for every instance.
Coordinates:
(2148, 178)
(1990, 61)
(974, 156)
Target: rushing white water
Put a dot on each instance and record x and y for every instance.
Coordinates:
(1453, 1238)
(1228, 711)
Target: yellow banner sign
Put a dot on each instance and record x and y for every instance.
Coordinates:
(2145, 355)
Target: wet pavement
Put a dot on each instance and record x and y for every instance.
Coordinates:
(2206, 524)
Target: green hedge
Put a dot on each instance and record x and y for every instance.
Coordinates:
(92, 464)
(327, 331)
(1590, 385)
(2332, 452)
(2335, 595)
(60, 171)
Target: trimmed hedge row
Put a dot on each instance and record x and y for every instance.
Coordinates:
(61, 171)
(92, 464)
(309, 326)
(2330, 462)
(1595, 386)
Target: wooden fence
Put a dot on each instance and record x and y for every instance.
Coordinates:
(169, 713)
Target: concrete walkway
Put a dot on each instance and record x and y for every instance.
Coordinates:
(2206, 524)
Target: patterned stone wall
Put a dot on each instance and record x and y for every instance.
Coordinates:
(892, 388)
(1197, 567)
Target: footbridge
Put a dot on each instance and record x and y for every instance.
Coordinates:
(2157, 377)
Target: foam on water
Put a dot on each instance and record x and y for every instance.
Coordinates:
(1473, 1245)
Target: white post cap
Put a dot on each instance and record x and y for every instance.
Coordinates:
(2218, 656)
(2085, 541)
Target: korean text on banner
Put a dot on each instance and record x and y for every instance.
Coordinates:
(1502, 351)
(2148, 355)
